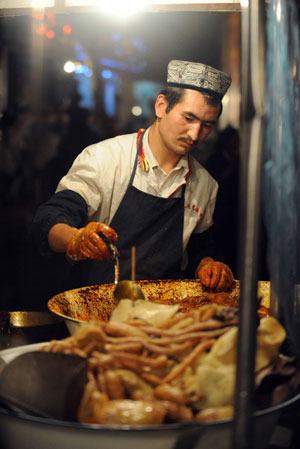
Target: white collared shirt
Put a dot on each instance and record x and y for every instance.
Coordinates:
(101, 173)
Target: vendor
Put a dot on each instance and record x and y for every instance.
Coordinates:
(143, 189)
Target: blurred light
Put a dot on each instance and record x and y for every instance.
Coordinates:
(84, 87)
(87, 71)
(41, 30)
(78, 68)
(38, 16)
(110, 98)
(278, 12)
(67, 29)
(136, 110)
(38, 4)
(113, 64)
(69, 67)
(51, 19)
(81, 56)
(50, 34)
(106, 74)
(78, 47)
(244, 3)
(120, 8)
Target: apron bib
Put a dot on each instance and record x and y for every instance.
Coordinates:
(154, 226)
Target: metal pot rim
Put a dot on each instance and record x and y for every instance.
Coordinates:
(141, 429)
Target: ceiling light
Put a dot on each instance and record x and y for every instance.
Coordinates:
(122, 9)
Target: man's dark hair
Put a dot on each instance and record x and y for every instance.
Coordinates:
(174, 94)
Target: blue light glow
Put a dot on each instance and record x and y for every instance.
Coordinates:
(110, 99)
(113, 64)
(78, 68)
(81, 56)
(106, 74)
(87, 71)
(85, 90)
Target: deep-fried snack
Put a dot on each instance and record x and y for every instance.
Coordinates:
(171, 393)
(215, 413)
(129, 412)
(166, 373)
(87, 243)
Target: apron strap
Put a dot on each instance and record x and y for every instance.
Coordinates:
(139, 146)
(136, 158)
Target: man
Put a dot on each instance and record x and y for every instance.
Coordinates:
(142, 189)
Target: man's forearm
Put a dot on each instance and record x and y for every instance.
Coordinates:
(59, 236)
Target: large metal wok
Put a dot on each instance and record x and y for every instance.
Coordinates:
(24, 431)
(97, 302)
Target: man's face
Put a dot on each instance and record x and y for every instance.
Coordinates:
(188, 123)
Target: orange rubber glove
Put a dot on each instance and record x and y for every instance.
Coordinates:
(87, 243)
(217, 276)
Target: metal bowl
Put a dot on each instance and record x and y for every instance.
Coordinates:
(20, 430)
(96, 302)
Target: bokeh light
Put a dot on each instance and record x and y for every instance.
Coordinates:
(67, 29)
(50, 34)
(69, 67)
(136, 111)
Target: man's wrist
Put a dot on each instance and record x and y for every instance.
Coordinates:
(60, 236)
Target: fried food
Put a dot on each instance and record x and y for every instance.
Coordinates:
(129, 412)
(87, 243)
(145, 374)
(216, 276)
(215, 413)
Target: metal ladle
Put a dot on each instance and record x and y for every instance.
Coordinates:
(129, 289)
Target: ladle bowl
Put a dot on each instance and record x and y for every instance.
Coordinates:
(128, 290)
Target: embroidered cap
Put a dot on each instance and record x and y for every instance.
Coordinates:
(198, 76)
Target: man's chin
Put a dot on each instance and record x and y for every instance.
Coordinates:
(183, 149)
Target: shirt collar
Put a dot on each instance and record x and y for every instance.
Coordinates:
(147, 159)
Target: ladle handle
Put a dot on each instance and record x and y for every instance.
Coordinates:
(133, 263)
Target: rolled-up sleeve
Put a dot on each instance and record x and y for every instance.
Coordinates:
(87, 174)
(67, 207)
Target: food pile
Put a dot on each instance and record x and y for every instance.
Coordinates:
(179, 369)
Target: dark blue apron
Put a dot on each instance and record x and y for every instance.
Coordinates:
(154, 226)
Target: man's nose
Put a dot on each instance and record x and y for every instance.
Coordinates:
(194, 131)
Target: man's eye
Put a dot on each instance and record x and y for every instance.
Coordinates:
(188, 119)
(207, 125)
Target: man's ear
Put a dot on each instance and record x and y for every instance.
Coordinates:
(160, 105)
